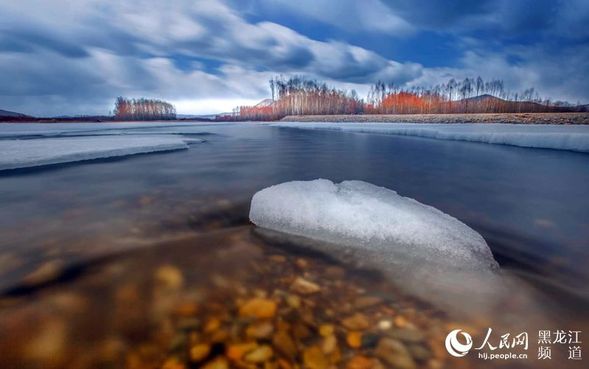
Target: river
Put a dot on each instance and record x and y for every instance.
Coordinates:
(530, 205)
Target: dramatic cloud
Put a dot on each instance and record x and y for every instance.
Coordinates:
(73, 57)
(120, 47)
(350, 15)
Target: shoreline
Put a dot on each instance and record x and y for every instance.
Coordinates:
(576, 118)
(511, 118)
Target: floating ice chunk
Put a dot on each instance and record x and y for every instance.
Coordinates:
(16, 154)
(542, 136)
(377, 220)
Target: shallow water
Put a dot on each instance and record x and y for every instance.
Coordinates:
(531, 205)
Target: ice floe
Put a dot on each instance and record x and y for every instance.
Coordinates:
(376, 220)
(426, 252)
(556, 137)
(16, 153)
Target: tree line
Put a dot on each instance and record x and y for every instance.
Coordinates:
(143, 109)
(467, 96)
(301, 96)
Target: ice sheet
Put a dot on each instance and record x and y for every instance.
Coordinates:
(557, 137)
(37, 130)
(16, 153)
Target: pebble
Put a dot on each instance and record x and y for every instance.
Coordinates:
(199, 352)
(283, 364)
(394, 353)
(260, 354)
(400, 321)
(329, 344)
(354, 339)
(385, 325)
(326, 330)
(365, 302)
(293, 301)
(285, 344)
(237, 351)
(212, 325)
(260, 330)
(420, 353)
(219, 363)
(356, 322)
(278, 258)
(169, 276)
(173, 363)
(302, 263)
(258, 308)
(313, 358)
(304, 286)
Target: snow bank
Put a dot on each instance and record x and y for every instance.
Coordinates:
(375, 219)
(16, 154)
(557, 137)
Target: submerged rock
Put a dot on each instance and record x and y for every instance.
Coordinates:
(395, 354)
(303, 286)
(258, 308)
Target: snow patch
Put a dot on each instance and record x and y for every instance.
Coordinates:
(556, 137)
(374, 219)
(15, 154)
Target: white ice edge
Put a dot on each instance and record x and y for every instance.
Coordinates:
(18, 154)
(556, 137)
(373, 219)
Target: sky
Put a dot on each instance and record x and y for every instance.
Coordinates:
(69, 57)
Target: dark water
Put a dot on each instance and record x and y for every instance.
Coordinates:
(531, 205)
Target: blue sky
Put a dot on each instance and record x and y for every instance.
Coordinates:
(206, 56)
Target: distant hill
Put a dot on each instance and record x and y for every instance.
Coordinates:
(11, 114)
(485, 97)
(499, 105)
(264, 103)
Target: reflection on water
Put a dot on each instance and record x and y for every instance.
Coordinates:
(75, 224)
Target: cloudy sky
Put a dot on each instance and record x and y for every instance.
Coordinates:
(75, 56)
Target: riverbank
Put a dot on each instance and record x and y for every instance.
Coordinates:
(515, 118)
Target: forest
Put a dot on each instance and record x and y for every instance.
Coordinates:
(301, 96)
(143, 109)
